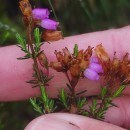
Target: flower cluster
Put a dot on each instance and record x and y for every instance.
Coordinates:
(69, 62)
(79, 64)
(94, 69)
(40, 17)
(43, 15)
(115, 72)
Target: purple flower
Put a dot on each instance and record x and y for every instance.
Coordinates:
(91, 74)
(40, 13)
(96, 67)
(49, 24)
(94, 60)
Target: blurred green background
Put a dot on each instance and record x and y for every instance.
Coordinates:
(76, 17)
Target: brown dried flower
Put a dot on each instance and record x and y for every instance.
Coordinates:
(25, 8)
(74, 64)
(43, 60)
(50, 35)
(116, 72)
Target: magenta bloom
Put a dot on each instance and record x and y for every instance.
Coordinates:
(40, 13)
(94, 60)
(49, 24)
(91, 74)
(96, 67)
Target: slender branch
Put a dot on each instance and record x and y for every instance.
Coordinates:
(73, 82)
(55, 15)
(53, 10)
(29, 30)
(68, 77)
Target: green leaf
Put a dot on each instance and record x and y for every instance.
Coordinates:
(81, 102)
(81, 92)
(63, 97)
(37, 36)
(93, 108)
(119, 91)
(75, 50)
(43, 94)
(103, 91)
(32, 81)
(22, 42)
(36, 106)
(27, 56)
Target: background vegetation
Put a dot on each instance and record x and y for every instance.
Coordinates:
(76, 17)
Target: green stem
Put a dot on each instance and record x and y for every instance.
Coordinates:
(55, 15)
(73, 83)
(53, 10)
(29, 30)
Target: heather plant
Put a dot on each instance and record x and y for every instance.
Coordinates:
(113, 74)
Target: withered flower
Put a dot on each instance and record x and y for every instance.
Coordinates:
(57, 66)
(43, 59)
(74, 64)
(75, 70)
(116, 72)
(25, 8)
(50, 35)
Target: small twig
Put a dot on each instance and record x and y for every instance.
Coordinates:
(29, 30)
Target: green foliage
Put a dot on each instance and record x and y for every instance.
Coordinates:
(119, 91)
(93, 107)
(100, 106)
(103, 92)
(23, 46)
(49, 104)
(75, 50)
(36, 106)
(43, 104)
(81, 103)
(35, 81)
(22, 42)
(5, 33)
(63, 97)
(37, 36)
(1, 125)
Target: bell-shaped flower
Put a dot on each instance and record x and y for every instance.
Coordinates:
(91, 74)
(40, 13)
(49, 24)
(96, 67)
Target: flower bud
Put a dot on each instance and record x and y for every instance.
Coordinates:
(49, 24)
(40, 13)
(96, 67)
(91, 74)
(50, 35)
